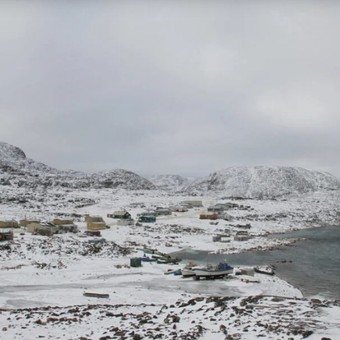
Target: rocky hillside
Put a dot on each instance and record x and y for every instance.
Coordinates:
(170, 182)
(18, 170)
(264, 182)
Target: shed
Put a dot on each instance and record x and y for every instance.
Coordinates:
(125, 222)
(64, 221)
(208, 216)
(147, 219)
(95, 222)
(162, 211)
(227, 217)
(96, 225)
(9, 224)
(6, 235)
(215, 208)
(26, 222)
(46, 229)
(192, 204)
(242, 236)
(179, 209)
(136, 262)
(93, 233)
(89, 218)
(67, 228)
(123, 214)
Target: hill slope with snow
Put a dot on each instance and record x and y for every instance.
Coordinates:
(264, 182)
(170, 182)
(18, 170)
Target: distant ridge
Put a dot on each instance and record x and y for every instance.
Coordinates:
(264, 182)
(18, 170)
(174, 183)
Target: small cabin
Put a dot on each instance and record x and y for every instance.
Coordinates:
(96, 225)
(45, 229)
(95, 222)
(162, 211)
(122, 215)
(25, 222)
(93, 233)
(209, 216)
(89, 218)
(243, 226)
(179, 209)
(225, 216)
(126, 222)
(147, 219)
(242, 236)
(192, 204)
(65, 225)
(9, 224)
(63, 221)
(215, 208)
(6, 235)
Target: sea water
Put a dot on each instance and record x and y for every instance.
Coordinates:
(312, 264)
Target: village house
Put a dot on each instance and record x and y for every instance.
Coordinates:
(162, 211)
(179, 209)
(126, 222)
(95, 222)
(148, 213)
(209, 216)
(214, 208)
(45, 229)
(9, 224)
(225, 216)
(229, 205)
(6, 235)
(242, 235)
(147, 219)
(243, 226)
(123, 214)
(96, 233)
(192, 204)
(221, 238)
(65, 225)
(220, 207)
(25, 222)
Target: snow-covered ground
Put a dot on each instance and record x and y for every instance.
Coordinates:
(43, 278)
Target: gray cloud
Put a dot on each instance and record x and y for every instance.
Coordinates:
(168, 87)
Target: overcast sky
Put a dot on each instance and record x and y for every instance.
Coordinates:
(171, 87)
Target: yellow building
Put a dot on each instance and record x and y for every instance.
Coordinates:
(9, 224)
(95, 223)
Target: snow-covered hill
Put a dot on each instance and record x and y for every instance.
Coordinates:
(264, 182)
(18, 170)
(170, 182)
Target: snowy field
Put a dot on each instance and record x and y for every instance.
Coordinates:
(43, 278)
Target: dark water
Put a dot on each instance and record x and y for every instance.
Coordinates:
(312, 265)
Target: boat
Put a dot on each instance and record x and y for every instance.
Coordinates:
(147, 259)
(167, 260)
(268, 270)
(190, 271)
(212, 272)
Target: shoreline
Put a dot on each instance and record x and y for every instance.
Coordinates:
(47, 276)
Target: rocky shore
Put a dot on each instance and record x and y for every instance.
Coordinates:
(212, 317)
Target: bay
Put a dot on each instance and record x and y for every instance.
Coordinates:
(312, 264)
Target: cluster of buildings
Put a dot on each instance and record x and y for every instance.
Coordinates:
(57, 226)
(96, 223)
